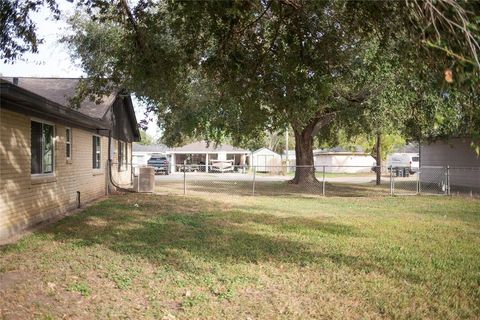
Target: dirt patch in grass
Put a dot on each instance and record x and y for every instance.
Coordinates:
(24, 295)
(8, 280)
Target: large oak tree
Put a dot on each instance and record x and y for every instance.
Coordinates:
(238, 68)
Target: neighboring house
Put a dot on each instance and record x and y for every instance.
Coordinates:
(343, 161)
(142, 153)
(54, 158)
(456, 153)
(265, 160)
(203, 155)
(291, 156)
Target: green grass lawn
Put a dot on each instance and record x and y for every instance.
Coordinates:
(175, 257)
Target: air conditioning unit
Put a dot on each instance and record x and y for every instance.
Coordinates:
(145, 180)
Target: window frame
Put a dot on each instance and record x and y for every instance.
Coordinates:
(68, 143)
(120, 155)
(126, 155)
(48, 123)
(96, 151)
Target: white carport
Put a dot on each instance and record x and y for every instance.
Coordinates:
(201, 155)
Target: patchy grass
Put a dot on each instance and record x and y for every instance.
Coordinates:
(81, 287)
(150, 256)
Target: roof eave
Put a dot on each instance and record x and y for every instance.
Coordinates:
(133, 119)
(22, 100)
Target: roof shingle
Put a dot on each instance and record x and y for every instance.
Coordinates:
(60, 90)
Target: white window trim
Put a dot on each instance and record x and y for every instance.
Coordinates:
(123, 164)
(120, 150)
(96, 170)
(54, 140)
(126, 155)
(69, 142)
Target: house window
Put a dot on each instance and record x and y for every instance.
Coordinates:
(42, 147)
(121, 155)
(126, 154)
(96, 152)
(68, 143)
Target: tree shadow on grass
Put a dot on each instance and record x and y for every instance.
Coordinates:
(172, 230)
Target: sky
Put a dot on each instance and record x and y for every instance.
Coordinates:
(53, 59)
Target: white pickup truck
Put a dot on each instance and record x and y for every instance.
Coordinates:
(403, 164)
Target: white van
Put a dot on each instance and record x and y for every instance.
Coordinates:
(403, 164)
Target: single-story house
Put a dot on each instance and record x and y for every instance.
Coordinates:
(343, 161)
(204, 155)
(458, 154)
(54, 158)
(266, 160)
(142, 153)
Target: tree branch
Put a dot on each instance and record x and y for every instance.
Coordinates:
(359, 97)
(256, 20)
(295, 4)
(324, 120)
(138, 35)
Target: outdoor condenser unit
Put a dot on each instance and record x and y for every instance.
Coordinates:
(145, 180)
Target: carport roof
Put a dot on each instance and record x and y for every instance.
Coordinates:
(206, 147)
(159, 148)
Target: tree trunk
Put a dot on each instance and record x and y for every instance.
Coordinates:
(378, 150)
(305, 171)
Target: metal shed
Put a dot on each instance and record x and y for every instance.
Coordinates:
(458, 155)
(266, 160)
(344, 161)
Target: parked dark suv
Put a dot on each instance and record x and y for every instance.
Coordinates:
(160, 164)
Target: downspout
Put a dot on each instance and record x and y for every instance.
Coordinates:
(110, 165)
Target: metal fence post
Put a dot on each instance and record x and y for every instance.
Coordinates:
(448, 180)
(253, 185)
(184, 180)
(391, 181)
(323, 181)
(419, 181)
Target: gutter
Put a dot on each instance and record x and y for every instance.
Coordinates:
(110, 178)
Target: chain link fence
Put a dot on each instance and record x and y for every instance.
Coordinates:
(315, 181)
